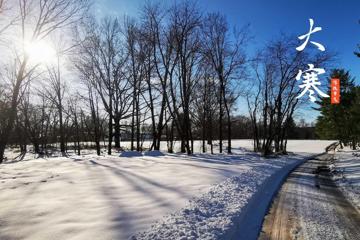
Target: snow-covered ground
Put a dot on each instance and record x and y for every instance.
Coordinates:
(233, 209)
(347, 174)
(309, 206)
(112, 197)
(308, 146)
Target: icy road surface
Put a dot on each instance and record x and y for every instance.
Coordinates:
(310, 206)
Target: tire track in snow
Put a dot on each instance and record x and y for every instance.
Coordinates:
(310, 206)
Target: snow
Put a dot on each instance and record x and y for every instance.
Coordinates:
(112, 197)
(155, 153)
(347, 174)
(232, 209)
(310, 206)
(298, 146)
(320, 206)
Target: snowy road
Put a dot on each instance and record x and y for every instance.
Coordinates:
(310, 206)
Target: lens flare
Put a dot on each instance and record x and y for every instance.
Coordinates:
(40, 52)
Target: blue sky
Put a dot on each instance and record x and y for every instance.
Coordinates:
(339, 20)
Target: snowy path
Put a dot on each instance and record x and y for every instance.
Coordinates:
(233, 209)
(310, 206)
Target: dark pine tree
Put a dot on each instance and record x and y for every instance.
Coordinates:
(336, 121)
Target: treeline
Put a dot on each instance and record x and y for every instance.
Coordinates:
(173, 73)
(341, 121)
(273, 100)
(39, 127)
(175, 67)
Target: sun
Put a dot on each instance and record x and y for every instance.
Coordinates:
(40, 52)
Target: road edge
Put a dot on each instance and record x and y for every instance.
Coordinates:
(249, 223)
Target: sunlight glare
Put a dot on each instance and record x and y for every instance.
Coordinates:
(40, 52)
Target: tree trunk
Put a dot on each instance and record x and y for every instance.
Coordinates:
(210, 129)
(353, 144)
(12, 110)
(203, 139)
(97, 134)
(220, 124)
(37, 148)
(110, 133)
(62, 137)
(2, 151)
(170, 137)
(133, 125)
(229, 133)
(160, 123)
(138, 147)
(182, 148)
(117, 132)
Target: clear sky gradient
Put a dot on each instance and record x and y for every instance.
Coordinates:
(339, 20)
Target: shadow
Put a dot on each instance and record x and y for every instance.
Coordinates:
(127, 175)
(154, 154)
(222, 159)
(122, 221)
(190, 161)
(18, 158)
(131, 154)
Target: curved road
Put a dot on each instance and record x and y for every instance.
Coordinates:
(310, 206)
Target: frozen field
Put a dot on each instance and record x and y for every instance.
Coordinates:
(112, 197)
(309, 146)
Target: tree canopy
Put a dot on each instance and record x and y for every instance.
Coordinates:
(339, 121)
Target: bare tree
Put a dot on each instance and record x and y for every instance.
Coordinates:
(136, 74)
(54, 92)
(159, 37)
(77, 120)
(38, 18)
(185, 20)
(206, 104)
(8, 17)
(94, 127)
(101, 60)
(276, 99)
(227, 58)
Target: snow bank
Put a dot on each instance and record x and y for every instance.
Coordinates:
(347, 174)
(131, 154)
(233, 209)
(154, 153)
